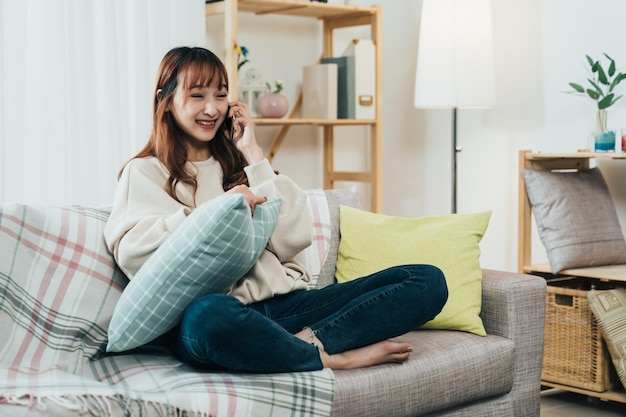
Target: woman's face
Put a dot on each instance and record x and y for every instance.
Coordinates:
(199, 112)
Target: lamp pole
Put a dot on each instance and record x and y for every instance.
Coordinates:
(455, 151)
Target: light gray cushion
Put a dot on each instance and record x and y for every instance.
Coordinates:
(576, 218)
(208, 253)
(335, 198)
(609, 309)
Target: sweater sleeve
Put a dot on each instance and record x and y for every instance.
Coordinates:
(143, 215)
(293, 231)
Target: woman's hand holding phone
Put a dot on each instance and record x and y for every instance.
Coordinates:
(243, 135)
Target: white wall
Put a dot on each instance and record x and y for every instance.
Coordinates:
(539, 48)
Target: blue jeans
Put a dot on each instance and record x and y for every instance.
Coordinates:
(218, 332)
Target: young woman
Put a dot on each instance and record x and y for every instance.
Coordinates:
(269, 321)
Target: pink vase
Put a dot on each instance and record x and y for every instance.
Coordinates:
(273, 105)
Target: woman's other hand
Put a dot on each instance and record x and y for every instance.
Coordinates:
(251, 198)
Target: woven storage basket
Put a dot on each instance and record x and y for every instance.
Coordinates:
(574, 353)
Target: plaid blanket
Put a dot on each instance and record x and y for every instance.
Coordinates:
(58, 288)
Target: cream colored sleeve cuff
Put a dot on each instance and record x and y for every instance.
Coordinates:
(260, 172)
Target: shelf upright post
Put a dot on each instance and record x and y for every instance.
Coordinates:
(328, 131)
(231, 8)
(376, 130)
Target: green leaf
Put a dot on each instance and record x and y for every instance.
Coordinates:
(616, 98)
(593, 94)
(596, 86)
(616, 81)
(577, 87)
(602, 75)
(594, 66)
(611, 68)
(589, 60)
(605, 102)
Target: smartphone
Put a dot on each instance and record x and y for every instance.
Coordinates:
(229, 124)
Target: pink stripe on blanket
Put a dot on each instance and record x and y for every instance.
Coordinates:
(44, 288)
(318, 225)
(69, 245)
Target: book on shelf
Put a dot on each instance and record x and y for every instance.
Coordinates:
(345, 85)
(363, 52)
(319, 91)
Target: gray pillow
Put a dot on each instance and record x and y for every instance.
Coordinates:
(576, 218)
(609, 309)
(336, 197)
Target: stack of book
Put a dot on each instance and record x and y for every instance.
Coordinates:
(356, 81)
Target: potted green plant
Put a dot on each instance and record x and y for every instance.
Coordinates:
(601, 89)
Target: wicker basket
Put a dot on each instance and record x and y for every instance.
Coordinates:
(574, 352)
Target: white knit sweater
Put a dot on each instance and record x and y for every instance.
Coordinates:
(144, 215)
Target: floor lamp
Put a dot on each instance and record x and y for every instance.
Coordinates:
(455, 62)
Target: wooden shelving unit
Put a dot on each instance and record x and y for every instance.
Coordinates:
(333, 17)
(614, 273)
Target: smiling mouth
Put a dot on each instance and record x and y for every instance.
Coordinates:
(205, 123)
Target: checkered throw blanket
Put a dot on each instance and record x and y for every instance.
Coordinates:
(58, 288)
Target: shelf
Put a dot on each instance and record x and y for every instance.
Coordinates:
(332, 17)
(606, 273)
(317, 10)
(603, 273)
(538, 156)
(557, 162)
(617, 396)
(316, 122)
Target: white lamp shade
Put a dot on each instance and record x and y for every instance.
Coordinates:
(455, 56)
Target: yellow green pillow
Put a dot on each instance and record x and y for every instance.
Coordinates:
(371, 242)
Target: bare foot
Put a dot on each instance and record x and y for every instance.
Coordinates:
(375, 354)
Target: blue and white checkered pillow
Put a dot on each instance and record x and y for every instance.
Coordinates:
(213, 248)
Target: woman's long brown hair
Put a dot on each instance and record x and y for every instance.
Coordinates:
(200, 67)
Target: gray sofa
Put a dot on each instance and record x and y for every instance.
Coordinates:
(450, 373)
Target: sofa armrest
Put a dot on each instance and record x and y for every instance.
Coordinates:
(514, 307)
(513, 304)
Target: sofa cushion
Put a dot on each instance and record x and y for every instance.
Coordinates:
(609, 309)
(371, 242)
(58, 285)
(335, 198)
(446, 369)
(314, 256)
(208, 253)
(576, 219)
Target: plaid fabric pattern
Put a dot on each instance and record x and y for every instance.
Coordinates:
(208, 253)
(314, 256)
(58, 285)
(58, 289)
(157, 378)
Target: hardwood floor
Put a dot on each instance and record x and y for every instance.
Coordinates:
(557, 403)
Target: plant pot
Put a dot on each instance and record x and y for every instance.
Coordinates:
(604, 141)
(603, 138)
(273, 106)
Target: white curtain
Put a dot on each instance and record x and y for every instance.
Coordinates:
(76, 79)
